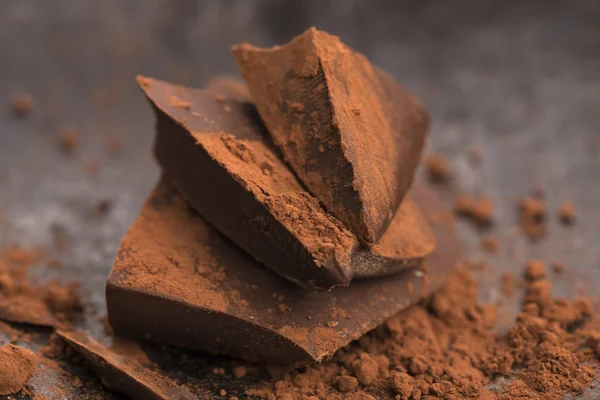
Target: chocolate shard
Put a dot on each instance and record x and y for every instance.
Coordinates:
(123, 375)
(214, 147)
(348, 130)
(178, 281)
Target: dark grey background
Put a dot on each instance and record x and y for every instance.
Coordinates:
(521, 80)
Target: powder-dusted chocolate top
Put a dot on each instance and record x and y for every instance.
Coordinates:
(176, 280)
(349, 131)
(212, 145)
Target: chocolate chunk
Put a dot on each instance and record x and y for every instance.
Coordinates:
(178, 281)
(350, 132)
(218, 154)
(122, 374)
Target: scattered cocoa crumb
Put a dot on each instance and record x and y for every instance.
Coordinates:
(438, 168)
(566, 213)
(22, 104)
(534, 270)
(69, 139)
(490, 244)
(177, 102)
(532, 217)
(480, 211)
(16, 367)
(558, 267)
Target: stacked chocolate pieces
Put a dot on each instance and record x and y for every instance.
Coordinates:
(285, 224)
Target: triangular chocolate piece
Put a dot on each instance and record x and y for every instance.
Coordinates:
(214, 147)
(348, 130)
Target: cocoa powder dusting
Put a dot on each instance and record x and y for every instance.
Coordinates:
(446, 348)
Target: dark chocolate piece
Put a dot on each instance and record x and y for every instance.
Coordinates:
(349, 131)
(122, 374)
(178, 281)
(216, 151)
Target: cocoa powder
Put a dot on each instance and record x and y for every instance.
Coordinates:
(16, 366)
(446, 348)
(24, 301)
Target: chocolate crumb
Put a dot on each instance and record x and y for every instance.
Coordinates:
(177, 102)
(532, 217)
(438, 168)
(566, 213)
(534, 270)
(480, 211)
(22, 104)
(69, 139)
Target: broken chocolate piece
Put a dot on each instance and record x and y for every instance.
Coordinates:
(178, 281)
(122, 374)
(350, 132)
(218, 154)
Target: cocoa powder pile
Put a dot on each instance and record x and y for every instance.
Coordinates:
(16, 366)
(446, 348)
